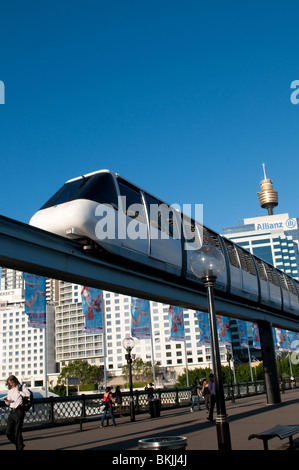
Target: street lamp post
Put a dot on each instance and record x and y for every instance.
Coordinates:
(128, 344)
(207, 263)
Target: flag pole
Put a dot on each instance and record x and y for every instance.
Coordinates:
(46, 361)
(153, 359)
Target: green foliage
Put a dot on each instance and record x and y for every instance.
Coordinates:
(137, 385)
(88, 387)
(59, 390)
(141, 371)
(86, 373)
(287, 367)
(242, 372)
(195, 375)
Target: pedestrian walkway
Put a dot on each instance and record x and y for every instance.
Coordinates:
(246, 416)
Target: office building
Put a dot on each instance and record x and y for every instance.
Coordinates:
(273, 237)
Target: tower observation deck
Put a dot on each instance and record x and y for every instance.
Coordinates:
(267, 196)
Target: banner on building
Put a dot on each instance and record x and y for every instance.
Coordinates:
(92, 308)
(140, 318)
(176, 322)
(223, 330)
(285, 340)
(256, 342)
(243, 335)
(282, 340)
(204, 328)
(293, 340)
(35, 300)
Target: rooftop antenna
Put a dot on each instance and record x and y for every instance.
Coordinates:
(264, 168)
(267, 196)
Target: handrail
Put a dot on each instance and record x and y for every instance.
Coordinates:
(52, 411)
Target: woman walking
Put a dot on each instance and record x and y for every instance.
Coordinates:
(109, 402)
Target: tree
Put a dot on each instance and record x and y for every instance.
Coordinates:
(242, 372)
(83, 371)
(195, 375)
(141, 371)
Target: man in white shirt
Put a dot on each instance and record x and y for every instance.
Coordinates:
(16, 417)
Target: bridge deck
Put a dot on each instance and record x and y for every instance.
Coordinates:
(246, 416)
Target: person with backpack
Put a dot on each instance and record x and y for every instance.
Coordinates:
(195, 396)
(109, 402)
(15, 401)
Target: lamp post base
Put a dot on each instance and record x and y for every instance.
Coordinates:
(223, 433)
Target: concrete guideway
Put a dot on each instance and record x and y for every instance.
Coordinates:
(246, 416)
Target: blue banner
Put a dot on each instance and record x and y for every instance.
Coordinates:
(282, 340)
(176, 321)
(285, 340)
(256, 342)
(293, 340)
(92, 308)
(35, 300)
(223, 330)
(243, 335)
(140, 318)
(204, 328)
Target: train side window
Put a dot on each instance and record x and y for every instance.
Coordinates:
(282, 280)
(162, 216)
(192, 231)
(168, 221)
(260, 268)
(211, 238)
(231, 253)
(246, 261)
(291, 286)
(99, 188)
(133, 202)
(155, 222)
(271, 274)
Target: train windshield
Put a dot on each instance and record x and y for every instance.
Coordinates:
(65, 194)
(99, 188)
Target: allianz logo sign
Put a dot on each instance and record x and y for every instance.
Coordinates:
(289, 224)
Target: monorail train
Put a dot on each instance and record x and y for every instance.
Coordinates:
(105, 209)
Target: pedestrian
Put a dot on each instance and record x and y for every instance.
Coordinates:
(118, 399)
(195, 396)
(206, 393)
(150, 392)
(109, 402)
(212, 397)
(14, 400)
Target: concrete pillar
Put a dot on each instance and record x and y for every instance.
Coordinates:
(269, 363)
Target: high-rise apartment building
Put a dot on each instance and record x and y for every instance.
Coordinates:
(22, 348)
(172, 357)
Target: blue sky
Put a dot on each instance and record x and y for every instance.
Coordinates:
(185, 99)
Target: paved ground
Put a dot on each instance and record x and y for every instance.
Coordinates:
(246, 416)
